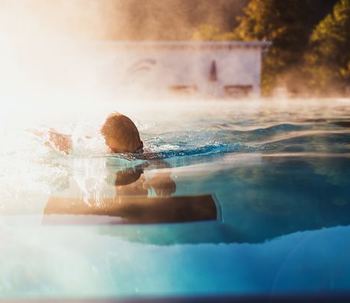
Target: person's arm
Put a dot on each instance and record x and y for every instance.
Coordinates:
(60, 141)
(56, 140)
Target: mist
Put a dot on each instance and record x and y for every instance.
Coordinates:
(47, 48)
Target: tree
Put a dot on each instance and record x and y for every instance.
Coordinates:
(328, 61)
(206, 32)
(168, 19)
(287, 24)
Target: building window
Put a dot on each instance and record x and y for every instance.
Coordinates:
(183, 89)
(238, 91)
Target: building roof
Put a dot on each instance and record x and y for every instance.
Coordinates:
(185, 44)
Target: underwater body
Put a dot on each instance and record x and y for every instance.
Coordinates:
(229, 198)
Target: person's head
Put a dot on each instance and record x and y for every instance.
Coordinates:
(121, 134)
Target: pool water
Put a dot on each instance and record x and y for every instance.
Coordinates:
(276, 174)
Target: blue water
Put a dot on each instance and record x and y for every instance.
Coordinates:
(279, 177)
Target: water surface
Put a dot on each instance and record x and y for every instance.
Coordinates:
(277, 172)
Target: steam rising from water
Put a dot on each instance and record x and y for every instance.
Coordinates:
(49, 79)
(47, 57)
(52, 79)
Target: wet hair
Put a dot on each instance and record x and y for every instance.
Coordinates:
(121, 134)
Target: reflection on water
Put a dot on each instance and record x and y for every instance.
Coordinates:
(138, 200)
(280, 222)
(278, 196)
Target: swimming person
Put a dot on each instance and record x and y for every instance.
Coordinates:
(120, 135)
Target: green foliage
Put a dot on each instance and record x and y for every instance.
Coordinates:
(168, 19)
(287, 24)
(206, 32)
(328, 60)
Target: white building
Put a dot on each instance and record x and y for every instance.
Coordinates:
(220, 69)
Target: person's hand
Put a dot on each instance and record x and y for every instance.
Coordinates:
(59, 141)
